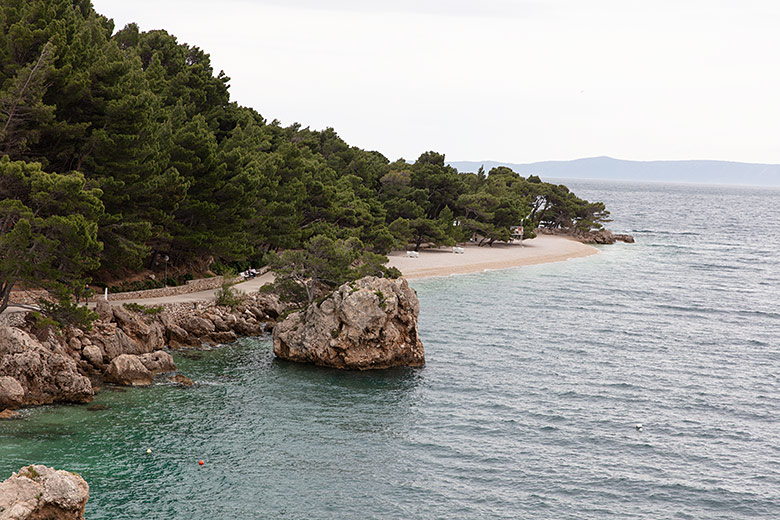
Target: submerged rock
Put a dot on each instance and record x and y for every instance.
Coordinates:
(181, 380)
(41, 493)
(10, 414)
(367, 324)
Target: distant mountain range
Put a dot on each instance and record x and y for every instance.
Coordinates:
(704, 172)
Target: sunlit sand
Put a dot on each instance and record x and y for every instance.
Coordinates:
(443, 262)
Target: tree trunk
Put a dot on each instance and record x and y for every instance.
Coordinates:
(5, 295)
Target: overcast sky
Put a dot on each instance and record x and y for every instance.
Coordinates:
(515, 81)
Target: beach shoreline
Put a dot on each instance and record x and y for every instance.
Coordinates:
(443, 262)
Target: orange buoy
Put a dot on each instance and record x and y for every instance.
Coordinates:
(200, 462)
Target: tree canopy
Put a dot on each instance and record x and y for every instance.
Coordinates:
(48, 228)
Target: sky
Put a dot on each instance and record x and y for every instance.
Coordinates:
(515, 81)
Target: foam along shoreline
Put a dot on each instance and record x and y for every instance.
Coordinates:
(443, 262)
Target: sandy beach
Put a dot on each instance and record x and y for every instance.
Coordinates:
(431, 262)
(443, 262)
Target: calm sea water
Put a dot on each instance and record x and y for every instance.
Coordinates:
(526, 409)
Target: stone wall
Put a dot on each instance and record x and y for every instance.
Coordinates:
(31, 297)
(202, 284)
(26, 296)
(12, 319)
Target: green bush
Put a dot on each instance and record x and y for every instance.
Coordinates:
(41, 322)
(67, 313)
(228, 297)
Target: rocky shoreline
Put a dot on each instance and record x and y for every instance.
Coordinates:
(43, 365)
(129, 345)
(601, 236)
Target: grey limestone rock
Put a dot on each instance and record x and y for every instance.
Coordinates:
(44, 370)
(128, 369)
(158, 361)
(41, 493)
(197, 326)
(367, 324)
(94, 355)
(11, 393)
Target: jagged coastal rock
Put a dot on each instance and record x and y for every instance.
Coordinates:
(367, 324)
(601, 236)
(41, 493)
(43, 371)
(42, 366)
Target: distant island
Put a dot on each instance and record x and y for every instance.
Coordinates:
(694, 171)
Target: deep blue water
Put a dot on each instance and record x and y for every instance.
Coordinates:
(535, 379)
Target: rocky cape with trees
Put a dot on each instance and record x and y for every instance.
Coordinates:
(122, 152)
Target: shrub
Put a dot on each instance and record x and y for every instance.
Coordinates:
(67, 313)
(40, 323)
(227, 296)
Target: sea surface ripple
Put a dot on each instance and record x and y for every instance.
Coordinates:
(536, 377)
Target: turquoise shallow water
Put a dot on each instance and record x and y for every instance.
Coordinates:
(526, 408)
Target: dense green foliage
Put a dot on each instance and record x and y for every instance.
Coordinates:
(48, 229)
(322, 265)
(176, 169)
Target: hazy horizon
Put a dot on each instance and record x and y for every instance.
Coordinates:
(521, 80)
(609, 168)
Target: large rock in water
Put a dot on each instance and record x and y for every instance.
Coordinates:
(127, 369)
(41, 493)
(44, 371)
(366, 324)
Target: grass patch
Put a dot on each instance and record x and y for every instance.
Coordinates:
(30, 473)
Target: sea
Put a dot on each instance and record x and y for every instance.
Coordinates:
(528, 406)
